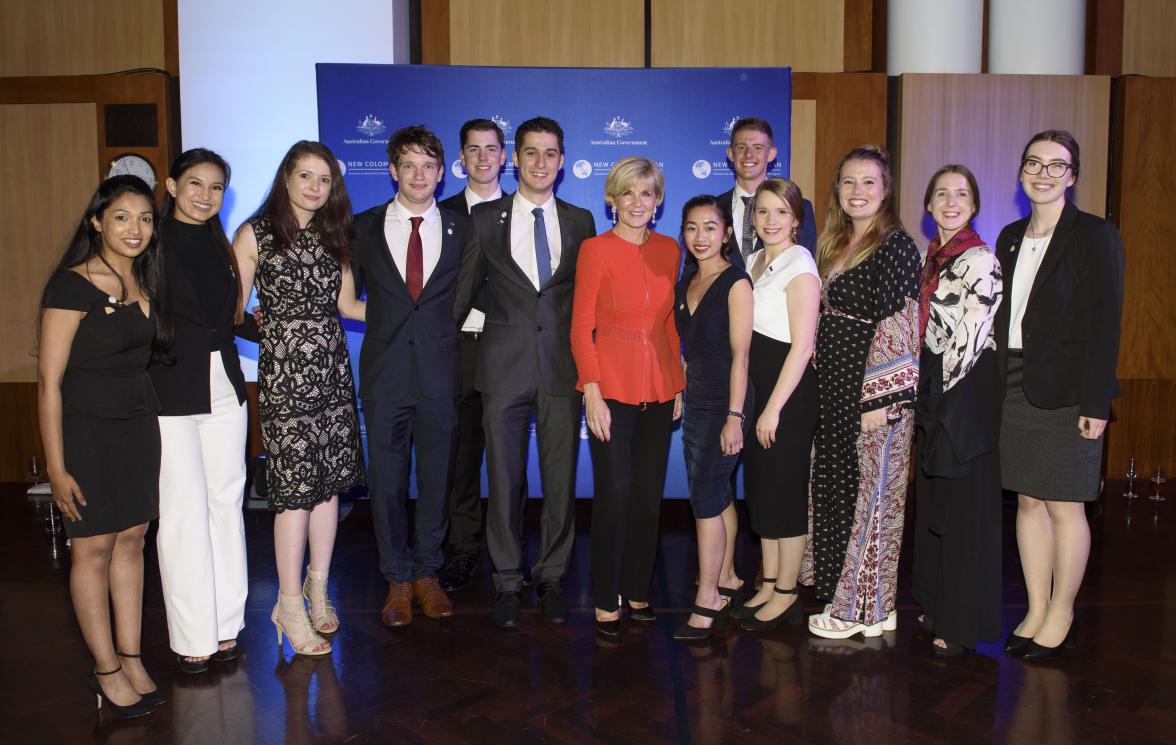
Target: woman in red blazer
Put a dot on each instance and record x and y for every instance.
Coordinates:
(628, 361)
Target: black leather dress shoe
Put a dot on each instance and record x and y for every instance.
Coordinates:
(555, 606)
(457, 572)
(506, 610)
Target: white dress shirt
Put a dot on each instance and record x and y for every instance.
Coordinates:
(476, 320)
(522, 235)
(1029, 258)
(770, 291)
(737, 213)
(397, 230)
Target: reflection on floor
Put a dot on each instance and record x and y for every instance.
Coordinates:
(465, 681)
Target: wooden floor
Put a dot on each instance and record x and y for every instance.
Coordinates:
(465, 681)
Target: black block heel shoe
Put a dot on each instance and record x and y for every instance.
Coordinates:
(794, 614)
(688, 633)
(744, 612)
(130, 711)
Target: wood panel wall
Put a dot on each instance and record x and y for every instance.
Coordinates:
(1149, 37)
(1144, 423)
(553, 33)
(809, 35)
(80, 37)
(983, 121)
(52, 143)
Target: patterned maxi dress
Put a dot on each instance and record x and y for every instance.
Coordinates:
(306, 395)
(867, 359)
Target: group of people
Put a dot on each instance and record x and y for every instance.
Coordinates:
(813, 361)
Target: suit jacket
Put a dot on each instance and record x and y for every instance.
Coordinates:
(526, 340)
(182, 387)
(409, 348)
(806, 236)
(1070, 331)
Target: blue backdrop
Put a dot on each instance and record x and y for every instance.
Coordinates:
(680, 118)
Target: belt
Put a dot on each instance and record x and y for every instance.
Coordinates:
(1017, 353)
(471, 335)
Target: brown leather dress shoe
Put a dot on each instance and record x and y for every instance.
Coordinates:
(398, 605)
(432, 599)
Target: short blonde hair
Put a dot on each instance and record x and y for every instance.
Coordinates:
(627, 172)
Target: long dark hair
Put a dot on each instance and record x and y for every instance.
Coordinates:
(720, 206)
(186, 161)
(332, 220)
(147, 267)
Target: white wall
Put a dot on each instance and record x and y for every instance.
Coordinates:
(247, 82)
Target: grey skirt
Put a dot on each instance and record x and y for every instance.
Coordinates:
(1042, 454)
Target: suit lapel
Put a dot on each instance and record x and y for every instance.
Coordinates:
(567, 242)
(1058, 246)
(379, 241)
(505, 210)
(450, 256)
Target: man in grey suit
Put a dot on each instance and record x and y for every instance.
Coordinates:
(525, 257)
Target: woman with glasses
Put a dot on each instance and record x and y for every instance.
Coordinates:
(1058, 340)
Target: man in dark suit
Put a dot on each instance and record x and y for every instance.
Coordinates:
(525, 257)
(483, 153)
(752, 150)
(408, 256)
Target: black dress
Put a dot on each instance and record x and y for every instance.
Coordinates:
(706, 345)
(306, 395)
(110, 432)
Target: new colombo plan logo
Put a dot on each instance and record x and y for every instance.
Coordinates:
(371, 126)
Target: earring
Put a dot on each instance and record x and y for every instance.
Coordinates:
(614, 215)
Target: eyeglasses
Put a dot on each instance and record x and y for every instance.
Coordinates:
(1056, 169)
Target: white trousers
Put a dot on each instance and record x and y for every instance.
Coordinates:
(201, 538)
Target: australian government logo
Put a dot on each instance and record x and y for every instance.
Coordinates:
(621, 131)
(371, 126)
(727, 127)
(503, 124)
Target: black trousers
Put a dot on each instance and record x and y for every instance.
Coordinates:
(465, 497)
(629, 475)
(506, 421)
(395, 430)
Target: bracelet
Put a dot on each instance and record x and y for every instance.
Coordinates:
(738, 414)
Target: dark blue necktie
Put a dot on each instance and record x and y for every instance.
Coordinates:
(542, 249)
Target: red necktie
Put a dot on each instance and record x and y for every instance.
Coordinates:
(415, 278)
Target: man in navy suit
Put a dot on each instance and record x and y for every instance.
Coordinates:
(483, 154)
(408, 256)
(752, 150)
(525, 258)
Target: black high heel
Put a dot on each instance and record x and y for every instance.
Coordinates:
(744, 612)
(794, 614)
(130, 711)
(1034, 651)
(1015, 645)
(688, 633)
(155, 698)
(642, 614)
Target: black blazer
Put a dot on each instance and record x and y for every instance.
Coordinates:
(182, 387)
(806, 236)
(527, 332)
(1070, 330)
(409, 348)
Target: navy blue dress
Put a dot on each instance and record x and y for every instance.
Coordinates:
(706, 345)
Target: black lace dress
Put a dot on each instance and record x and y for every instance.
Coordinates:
(309, 425)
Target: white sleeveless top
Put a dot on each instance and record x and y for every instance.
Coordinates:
(771, 297)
